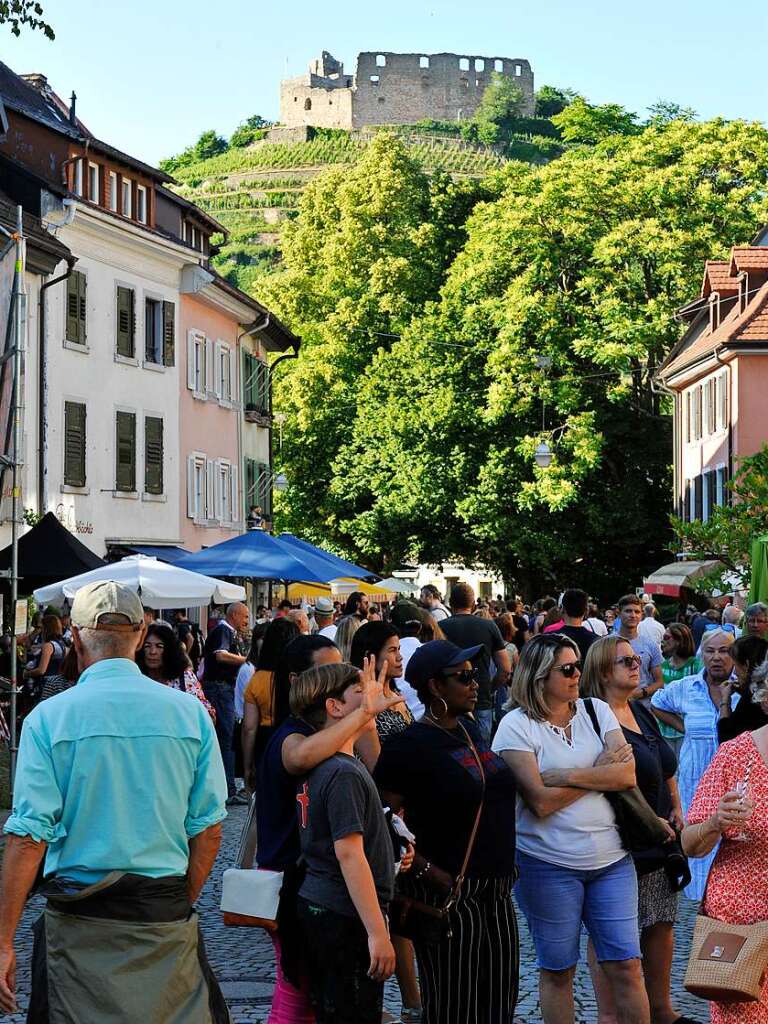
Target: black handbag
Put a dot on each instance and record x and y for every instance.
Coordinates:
(417, 920)
(640, 828)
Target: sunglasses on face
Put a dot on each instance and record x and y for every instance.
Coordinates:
(630, 661)
(570, 670)
(466, 676)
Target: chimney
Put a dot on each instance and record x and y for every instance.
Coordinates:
(72, 116)
(37, 81)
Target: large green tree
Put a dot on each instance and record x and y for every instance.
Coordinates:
(370, 246)
(583, 261)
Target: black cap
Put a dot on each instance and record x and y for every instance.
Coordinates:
(435, 657)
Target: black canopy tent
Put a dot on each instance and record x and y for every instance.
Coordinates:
(49, 553)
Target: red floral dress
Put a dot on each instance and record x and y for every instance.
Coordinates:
(737, 890)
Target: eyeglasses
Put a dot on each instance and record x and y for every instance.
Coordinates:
(466, 676)
(570, 670)
(629, 661)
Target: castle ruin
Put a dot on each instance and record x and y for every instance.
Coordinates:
(396, 88)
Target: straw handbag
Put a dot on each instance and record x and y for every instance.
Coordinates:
(250, 896)
(728, 962)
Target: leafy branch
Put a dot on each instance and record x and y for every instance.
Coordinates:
(18, 13)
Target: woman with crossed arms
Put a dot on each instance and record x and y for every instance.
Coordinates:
(573, 868)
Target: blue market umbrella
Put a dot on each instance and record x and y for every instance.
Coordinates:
(343, 568)
(259, 555)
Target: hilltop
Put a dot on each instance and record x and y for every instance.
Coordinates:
(253, 190)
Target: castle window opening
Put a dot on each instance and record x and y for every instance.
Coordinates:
(424, 62)
(518, 69)
(498, 65)
(478, 83)
(463, 63)
(375, 79)
(465, 83)
(479, 64)
(307, 104)
(381, 60)
(381, 99)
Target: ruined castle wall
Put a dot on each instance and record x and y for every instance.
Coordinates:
(402, 88)
(304, 104)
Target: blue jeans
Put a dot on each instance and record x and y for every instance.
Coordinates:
(222, 699)
(556, 900)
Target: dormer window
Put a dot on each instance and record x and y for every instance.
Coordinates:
(112, 191)
(126, 194)
(141, 204)
(77, 177)
(94, 192)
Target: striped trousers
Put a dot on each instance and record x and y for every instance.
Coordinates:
(472, 977)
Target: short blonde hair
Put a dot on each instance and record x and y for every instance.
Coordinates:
(598, 665)
(312, 688)
(536, 661)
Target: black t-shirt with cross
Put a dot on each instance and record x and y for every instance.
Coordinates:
(436, 774)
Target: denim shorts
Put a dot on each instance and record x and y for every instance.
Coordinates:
(556, 901)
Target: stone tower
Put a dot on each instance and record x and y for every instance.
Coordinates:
(396, 88)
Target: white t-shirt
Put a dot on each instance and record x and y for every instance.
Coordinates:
(243, 678)
(583, 835)
(439, 612)
(408, 645)
(329, 631)
(651, 629)
(597, 626)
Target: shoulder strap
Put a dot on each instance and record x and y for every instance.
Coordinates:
(473, 834)
(590, 708)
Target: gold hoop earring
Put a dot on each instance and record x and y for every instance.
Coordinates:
(442, 713)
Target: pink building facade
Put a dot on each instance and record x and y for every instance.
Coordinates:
(718, 376)
(223, 332)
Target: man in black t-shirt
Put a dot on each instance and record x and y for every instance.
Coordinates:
(492, 664)
(575, 604)
(223, 653)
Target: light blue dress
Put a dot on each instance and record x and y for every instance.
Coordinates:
(689, 698)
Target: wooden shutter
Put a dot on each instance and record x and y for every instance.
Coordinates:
(210, 367)
(169, 334)
(234, 501)
(153, 455)
(125, 462)
(263, 487)
(126, 322)
(698, 498)
(76, 307)
(191, 360)
(210, 489)
(74, 444)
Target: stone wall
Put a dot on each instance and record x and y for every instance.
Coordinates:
(402, 88)
(396, 88)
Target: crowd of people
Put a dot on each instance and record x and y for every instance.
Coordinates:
(413, 766)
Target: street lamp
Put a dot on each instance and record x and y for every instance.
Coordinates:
(543, 455)
(280, 482)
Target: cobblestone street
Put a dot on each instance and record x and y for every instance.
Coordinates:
(242, 957)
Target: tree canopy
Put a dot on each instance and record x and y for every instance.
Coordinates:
(209, 144)
(583, 122)
(416, 404)
(24, 13)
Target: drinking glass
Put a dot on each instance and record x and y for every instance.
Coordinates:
(742, 788)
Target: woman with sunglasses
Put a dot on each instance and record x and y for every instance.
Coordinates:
(440, 773)
(573, 867)
(611, 674)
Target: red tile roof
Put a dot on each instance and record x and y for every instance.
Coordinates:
(749, 257)
(718, 278)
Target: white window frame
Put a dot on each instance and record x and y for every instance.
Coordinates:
(141, 204)
(77, 177)
(112, 191)
(224, 373)
(197, 487)
(91, 177)
(721, 496)
(126, 209)
(224, 509)
(196, 364)
(721, 401)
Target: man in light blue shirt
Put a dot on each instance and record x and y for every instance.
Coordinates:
(122, 775)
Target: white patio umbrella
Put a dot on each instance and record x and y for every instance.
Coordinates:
(158, 584)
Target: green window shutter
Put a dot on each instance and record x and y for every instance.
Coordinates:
(263, 385)
(126, 322)
(248, 381)
(263, 488)
(169, 334)
(250, 485)
(125, 461)
(81, 310)
(76, 308)
(153, 455)
(74, 444)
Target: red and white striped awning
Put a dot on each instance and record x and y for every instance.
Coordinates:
(669, 580)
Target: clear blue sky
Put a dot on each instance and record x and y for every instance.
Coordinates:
(151, 75)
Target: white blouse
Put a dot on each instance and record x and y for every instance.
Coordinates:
(583, 835)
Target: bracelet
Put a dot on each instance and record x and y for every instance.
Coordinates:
(420, 874)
